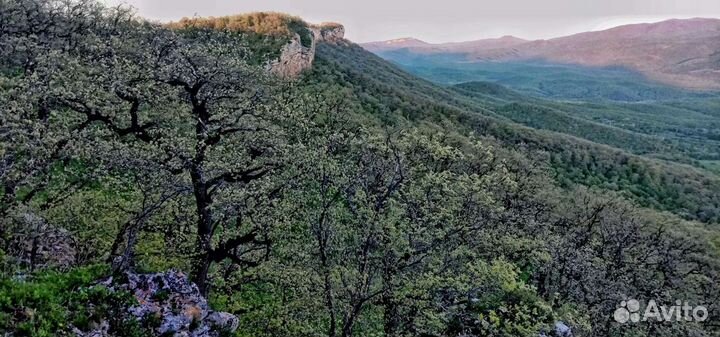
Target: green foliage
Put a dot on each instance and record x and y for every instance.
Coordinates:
(499, 304)
(51, 303)
(631, 167)
(264, 33)
(261, 23)
(357, 200)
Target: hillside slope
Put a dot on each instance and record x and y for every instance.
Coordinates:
(354, 200)
(397, 97)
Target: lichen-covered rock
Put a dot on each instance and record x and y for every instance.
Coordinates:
(330, 32)
(172, 301)
(222, 321)
(295, 57)
(560, 329)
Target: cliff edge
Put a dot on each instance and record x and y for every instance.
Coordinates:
(295, 56)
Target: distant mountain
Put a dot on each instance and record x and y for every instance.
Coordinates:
(683, 53)
(401, 43)
(419, 46)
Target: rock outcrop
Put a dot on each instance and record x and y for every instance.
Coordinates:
(329, 32)
(560, 329)
(172, 301)
(296, 57)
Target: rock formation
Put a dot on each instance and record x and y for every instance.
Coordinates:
(560, 329)
(172, 300)
(295, 57)
(329, 32)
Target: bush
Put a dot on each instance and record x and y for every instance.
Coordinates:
(50, 302)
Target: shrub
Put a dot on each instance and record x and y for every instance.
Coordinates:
(50, 302)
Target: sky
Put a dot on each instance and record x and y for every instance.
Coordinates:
(438, 21)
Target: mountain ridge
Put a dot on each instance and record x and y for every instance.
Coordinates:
(417, 44)
(679, 52)
(626, 27)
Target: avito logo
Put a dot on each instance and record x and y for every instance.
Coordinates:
(629, 311)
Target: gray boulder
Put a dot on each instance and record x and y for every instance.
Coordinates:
(560, 329)
(174, 301)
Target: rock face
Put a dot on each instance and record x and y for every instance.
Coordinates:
(294, 57)
(559, 330)
(329, 32)
(174, 301)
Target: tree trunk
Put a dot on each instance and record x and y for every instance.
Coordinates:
(391, 315)
(391, 319)
(203, 259)
(201, 267)
(124, 261)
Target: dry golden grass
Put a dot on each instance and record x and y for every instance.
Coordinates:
(264, 23)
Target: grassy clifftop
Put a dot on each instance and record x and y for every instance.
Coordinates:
(265, 33)
(263, 23)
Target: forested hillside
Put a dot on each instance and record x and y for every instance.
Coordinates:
(662, 184)
(544, 79)
(354, 200)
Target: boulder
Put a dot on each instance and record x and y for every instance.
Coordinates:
(560, 329)
(174, 301)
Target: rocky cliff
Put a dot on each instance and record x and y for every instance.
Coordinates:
(297, 56)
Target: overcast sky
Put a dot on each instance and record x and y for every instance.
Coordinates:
(445, 20)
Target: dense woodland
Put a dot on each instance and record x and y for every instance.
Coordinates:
(674, 185)
(612, 106)
(356, 200)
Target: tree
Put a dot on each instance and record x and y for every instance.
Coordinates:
(146, 98)
(31, 144)
(384, 212)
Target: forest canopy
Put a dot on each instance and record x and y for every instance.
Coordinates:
(334, 204)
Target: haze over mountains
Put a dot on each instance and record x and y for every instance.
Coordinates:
(449, 47)
(679, 52)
